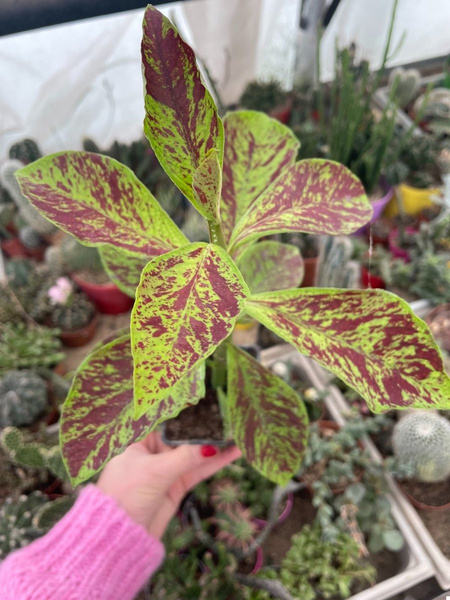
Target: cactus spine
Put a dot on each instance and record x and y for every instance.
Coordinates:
(421, 441)
(23, 397)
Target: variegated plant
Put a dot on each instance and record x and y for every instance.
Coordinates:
(241, 174)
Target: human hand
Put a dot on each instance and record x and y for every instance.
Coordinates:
(150, 479)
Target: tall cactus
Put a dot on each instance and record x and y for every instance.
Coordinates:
(334, 266)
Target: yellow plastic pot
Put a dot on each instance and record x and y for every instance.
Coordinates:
(414, 200)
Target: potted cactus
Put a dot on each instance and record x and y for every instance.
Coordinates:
(23, 397)
(68, 310)
(421, 443)
(241, 174)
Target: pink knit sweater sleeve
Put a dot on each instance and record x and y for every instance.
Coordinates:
(96, 552)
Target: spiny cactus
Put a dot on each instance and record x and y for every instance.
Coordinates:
(407, 85)
(73, 316)
(30, 238)
(26, 151)
(32, 454)
(18, 271)
(16, 522)
(236, 527)
(70, 256)
(334, 267)
(225, 494)
(421, 441)
(23, 397)
(32, 217)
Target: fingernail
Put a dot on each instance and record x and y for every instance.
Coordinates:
(208, 451)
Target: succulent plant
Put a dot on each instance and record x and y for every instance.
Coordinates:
(236, 528)
(70, 256)
(32, 454)
(25, 347)
(263, 96)
(16, 522)
(23, 397)
(335, 267)
(26, 151)
(407, 85)
(31, 216)
(225, 493)
(435, 107)
(18, 271)
(30, 238)
(74, 315)
(421, 442)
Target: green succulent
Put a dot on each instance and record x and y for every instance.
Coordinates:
(23, 397)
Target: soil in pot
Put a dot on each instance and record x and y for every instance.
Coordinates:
(438, 524)
(431, 494)
(198, 422)
(279, 541)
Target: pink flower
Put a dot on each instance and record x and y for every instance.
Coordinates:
(60, 292)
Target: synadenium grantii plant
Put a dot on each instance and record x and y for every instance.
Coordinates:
(241, 175)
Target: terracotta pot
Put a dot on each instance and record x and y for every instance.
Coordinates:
(368, 280)
(396, 250)
(36, 254)
(14, 248)
(80, 337)
(422, 505)
(438, 321)
(310, 266)
(107, 297)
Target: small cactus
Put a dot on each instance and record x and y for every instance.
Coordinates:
(18, 271)
(225, 494)
(236, 528)
(32, 454)
(71, 256)
(407, 85)
(73, 316)
(30, 238)
(421, 441)
(26, 151)
(23, 397)
(16, 522)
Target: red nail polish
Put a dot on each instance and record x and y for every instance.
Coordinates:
(208, 451)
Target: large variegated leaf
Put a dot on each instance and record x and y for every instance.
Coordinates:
(312, 196)
(186, 304)
(181, 122)
(123, 269)
(369, 338)
(257, 149)
(99, 201)
(268, 418)
(97, 419)
(207, 184)
(269, 266)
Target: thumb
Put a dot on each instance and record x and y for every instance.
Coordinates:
(184, 458)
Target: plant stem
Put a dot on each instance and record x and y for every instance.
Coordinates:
(216, 234)
(274, 587)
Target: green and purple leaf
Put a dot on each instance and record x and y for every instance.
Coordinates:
(269, 266)
(207, 185)
(268, 418)
(99, 201)
(97, 419)
(181, 122)
(371, 339)
(313, 196)
(123, 269)
(186, 304)
(257, 150)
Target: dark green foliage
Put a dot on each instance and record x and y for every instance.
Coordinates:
(18, 271)
(263, 96)
(26, 347)
(414, 162)
(26, 151)
(69, 256)
(23, 397)
(16, 522)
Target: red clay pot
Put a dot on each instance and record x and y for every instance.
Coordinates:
(309, 265)
(421, 505)
(282, 113)
(368, 280)
(107, 296)
(14, 248)
(80, 337)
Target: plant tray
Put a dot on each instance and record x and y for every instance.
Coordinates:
(338, 407)
(418, 566)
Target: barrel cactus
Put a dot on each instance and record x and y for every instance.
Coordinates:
(23, 397)
(16, 522)
(421, 441)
